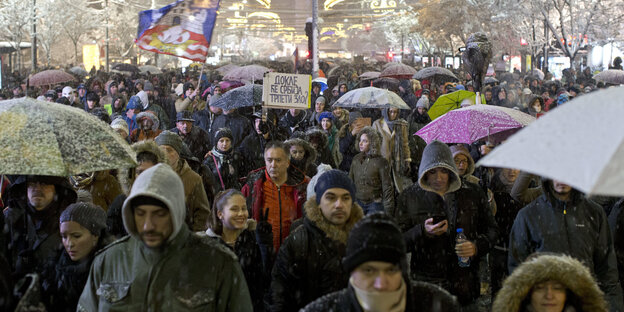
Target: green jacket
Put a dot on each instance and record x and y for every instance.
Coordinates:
(187, 273)
(128, 276)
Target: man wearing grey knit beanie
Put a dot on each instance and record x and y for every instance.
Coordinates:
(198, 207)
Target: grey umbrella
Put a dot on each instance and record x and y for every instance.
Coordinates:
(245, 96)
(612, 76)
(42, 138)
(435, 73)
(371, 97)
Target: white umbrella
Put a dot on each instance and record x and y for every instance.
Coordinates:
(580, 143)
(371, 97)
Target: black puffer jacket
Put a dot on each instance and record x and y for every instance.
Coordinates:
(33, 235)
(464, 206)
(616, 223)
(308, 264)
(578, 228)
(420, 297)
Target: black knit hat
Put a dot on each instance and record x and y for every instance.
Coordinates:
(374, 238)
(88, 215)
(224, 132)
(333, 179)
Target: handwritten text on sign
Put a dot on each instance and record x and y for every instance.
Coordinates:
(286, 90)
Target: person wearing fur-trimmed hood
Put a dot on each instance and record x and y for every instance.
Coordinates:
(308, 262)
(371, 175)
(569, 284)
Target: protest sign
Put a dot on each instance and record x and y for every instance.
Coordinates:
(280, 90)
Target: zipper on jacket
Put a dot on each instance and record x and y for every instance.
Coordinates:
(279, 199)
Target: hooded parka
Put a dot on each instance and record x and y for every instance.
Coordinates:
(129, 276)
(433, 258)
(583, 294)
(371, 173)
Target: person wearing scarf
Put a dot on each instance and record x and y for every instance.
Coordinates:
(224, 162)
(379, 282)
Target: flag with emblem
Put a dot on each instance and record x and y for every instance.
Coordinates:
(183, 28)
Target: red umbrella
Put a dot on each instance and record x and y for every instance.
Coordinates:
(399, 71)
(50, 77)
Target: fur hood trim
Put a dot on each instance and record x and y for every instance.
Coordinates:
(310, 156)
(334, 232)
(318, 134)
(564, 269)
(374, 138)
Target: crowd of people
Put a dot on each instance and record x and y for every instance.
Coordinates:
(325, 209)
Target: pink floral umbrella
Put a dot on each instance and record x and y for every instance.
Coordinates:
(470, 124)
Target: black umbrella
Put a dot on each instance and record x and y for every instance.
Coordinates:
(124, 68)
(435, 73)
(245, 96)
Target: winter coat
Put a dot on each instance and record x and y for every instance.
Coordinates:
(198, 141)
(371, 174)
(255, 264)
(198, 207)
(583, 294)
(616, 224)
(63, 283)
(33, 236)
(161, 114)
(326, 154)
(507, 209)
(204, 119)
(347, 147)
(294, 190)
(421, 296)
(306, 165)
(104, 188)
(309, 263)
(140, 134)
(240, 126)
(226, 168)
(129, 276)
(395, 149)
(578, 228)
(185, 103)
(464, 206)
(295, 123)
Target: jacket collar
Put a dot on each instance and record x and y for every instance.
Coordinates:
(314, 216)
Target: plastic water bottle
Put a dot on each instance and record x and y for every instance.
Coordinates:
(464, 262)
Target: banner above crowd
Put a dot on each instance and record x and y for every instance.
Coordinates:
(182, 29)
